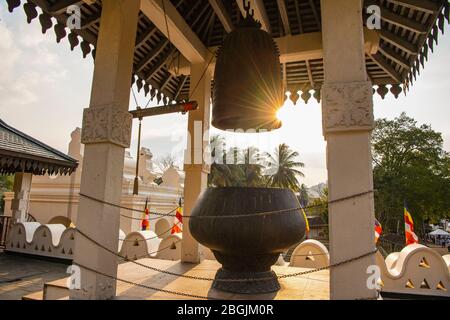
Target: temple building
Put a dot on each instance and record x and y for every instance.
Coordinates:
(54, 198)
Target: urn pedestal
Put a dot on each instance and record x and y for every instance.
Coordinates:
(247, 229)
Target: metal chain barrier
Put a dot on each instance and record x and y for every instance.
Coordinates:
(297, 274)
(232, 216)
(140, 211)
(224, 280)
(151, 238)
(143, 285)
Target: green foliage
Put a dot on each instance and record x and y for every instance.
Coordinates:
(410, 165)
(252, 168)
(303, 195)
(283, 168)
(6, 184)
(319, 206)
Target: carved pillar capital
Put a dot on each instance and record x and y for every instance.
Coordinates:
(347, 107)
(106, 124)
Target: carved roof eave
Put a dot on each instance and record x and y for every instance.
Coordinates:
(393, 69)
(11, 162)
(21, 153)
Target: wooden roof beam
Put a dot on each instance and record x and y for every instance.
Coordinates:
(399, 42)
(260, 13)
(383, 64)
(299, 17)
(145, 36)
(300, 47)
(159, 64)
(284, 16)
(91, 20)
(316, 14)
(181, 35)
(421, 5)
(222, 14)
(183, 80)
(165, 82)
(310, 75)
(151, 55)
(394, 56)
(398, 20)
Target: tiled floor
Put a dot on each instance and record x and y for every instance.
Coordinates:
(20, 275)
(309, 287)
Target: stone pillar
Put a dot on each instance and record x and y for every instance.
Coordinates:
(347, 116)
(194, 165)
(19, 205)
(106, 133)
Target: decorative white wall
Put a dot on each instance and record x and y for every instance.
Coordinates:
(417, 269)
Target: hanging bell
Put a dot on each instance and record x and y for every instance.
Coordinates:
(248, 87)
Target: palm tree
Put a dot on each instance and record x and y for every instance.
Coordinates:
(252, 169)
(282, 171)
(221, 174)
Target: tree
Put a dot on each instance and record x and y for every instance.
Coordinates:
(246, 167)
(221, 174)
(319, 206)
(167, 162)
(282, 172)
(410, 165)
(303, 195)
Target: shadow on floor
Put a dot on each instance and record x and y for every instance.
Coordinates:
(22, 275)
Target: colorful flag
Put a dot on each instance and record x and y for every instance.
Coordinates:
(178, 220)
(410, 235)
(145, 224)
(306, 221)
(378, 230)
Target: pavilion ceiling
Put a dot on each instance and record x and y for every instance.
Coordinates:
(409, 31)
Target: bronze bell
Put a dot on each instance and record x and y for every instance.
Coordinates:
(248, 87)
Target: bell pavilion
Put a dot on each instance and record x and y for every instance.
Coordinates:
(339, 52)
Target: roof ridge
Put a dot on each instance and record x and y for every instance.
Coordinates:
(34, 140)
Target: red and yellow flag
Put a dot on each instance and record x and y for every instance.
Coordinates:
(145, 223)
(410, 235)
(178, 221)
(378, 230)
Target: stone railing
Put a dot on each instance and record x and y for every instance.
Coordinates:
(310, 254)
(57, 241)
(146, 244)
(49, 240)
(416, 269)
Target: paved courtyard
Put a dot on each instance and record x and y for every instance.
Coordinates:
(20, 275)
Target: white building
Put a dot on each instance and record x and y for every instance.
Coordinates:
(54, 199)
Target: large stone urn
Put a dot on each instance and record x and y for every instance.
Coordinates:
(247, 229)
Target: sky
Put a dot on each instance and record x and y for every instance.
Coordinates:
(44, 88)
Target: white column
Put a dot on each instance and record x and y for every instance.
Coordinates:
(19, 205)
(347, 115)
(106, 133)
(196, 179)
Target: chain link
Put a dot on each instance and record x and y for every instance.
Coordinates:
(143, 285)
(224, 280)
(233, 216)
(151, 238)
